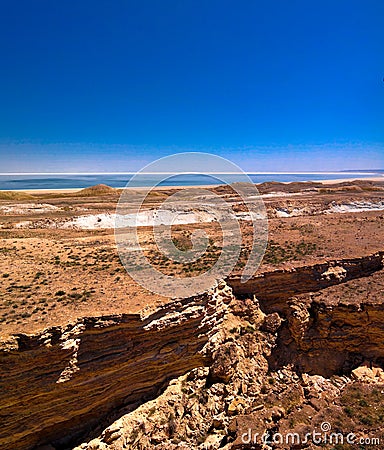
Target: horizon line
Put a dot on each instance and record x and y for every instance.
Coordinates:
(337, 172)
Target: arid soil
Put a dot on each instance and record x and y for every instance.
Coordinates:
(50, 276)
(91, 353)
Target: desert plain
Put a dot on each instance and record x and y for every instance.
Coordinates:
(59, 258)
(299, 345)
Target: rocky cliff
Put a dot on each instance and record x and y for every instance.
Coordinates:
(271, 288)
(270, 377)
(233, 360)
(62, 382)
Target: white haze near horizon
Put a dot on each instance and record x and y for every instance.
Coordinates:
(71, 159)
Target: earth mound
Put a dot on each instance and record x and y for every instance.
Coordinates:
(12, 195)
(98, 189)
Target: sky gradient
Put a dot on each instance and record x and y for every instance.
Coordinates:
(110, 86)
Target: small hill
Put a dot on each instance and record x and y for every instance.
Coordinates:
(15, 195)
(95, 191)
(294, 186)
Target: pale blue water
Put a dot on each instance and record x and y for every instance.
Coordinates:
(21, 182)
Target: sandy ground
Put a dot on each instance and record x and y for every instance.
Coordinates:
(51, 276)
(139, 188)
(160, 188)
(346, 180)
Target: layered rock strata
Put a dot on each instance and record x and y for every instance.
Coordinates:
(61, 383)
(271, 288)
(240, 399)
(231, 361)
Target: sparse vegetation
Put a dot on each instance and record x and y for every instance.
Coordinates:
(69, 268)
(364, 404)
(277, 253)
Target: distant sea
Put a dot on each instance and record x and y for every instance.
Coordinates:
(11, 182)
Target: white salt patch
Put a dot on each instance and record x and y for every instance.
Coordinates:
(279, 194)
(249, 215)
(28, 208)
(142, 219)
(284, 212)
(23, 224)
(342, 208)
(152, 218)
(356, 207)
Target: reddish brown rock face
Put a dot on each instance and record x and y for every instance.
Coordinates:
(61, 383)
(254, 363)
(255, 384)
(299, 344)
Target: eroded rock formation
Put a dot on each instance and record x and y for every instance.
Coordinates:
(199, 373)
(61, 383)
(241, 398)
(271, 288)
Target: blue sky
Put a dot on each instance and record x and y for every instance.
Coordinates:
(112, 85)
